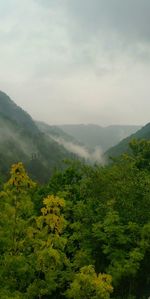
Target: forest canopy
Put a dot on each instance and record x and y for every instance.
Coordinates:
(83, 235)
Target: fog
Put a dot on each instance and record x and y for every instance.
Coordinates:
(8, 133)
(94, 156)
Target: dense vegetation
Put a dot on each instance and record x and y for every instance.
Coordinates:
(84, 235)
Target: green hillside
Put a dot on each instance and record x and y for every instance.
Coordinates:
(22, 140)
(123, 146)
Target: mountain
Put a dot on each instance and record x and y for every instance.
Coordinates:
(22, 140)
(93, 136)
(123, 146)
(55, 132)
(13, 112)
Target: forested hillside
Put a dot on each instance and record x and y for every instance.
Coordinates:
(83, 235)
(11, 111)
(85, 232)
(22, 140)
(123, 146)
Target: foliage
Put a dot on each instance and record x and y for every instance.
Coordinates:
(58, 239)
(87, 284)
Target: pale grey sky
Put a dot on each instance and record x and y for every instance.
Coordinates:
(77, 61)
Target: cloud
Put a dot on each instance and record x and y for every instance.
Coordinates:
(69, 61)
(129, 19)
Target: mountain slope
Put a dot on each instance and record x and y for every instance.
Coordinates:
(11, 111)
(123, 146)
(55, 132)
(96, 136)
(22, 140)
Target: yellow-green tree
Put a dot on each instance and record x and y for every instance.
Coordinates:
(88, 285)
(17, 209)
(49, 243)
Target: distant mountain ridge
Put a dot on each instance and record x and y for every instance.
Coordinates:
(55, 131)
(96, 136)
(71, 144)
(123, 146)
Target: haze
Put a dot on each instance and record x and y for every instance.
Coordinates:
(77, 61)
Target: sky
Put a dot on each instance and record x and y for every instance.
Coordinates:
(77, 61)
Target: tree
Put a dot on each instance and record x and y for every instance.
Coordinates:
(88, 285)
(49, 244)
(17, 210)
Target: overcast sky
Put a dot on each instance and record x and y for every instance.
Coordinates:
(77, 61)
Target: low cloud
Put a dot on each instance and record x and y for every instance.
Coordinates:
(94, 156)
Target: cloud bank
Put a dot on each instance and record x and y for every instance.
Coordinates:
(74, 61)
